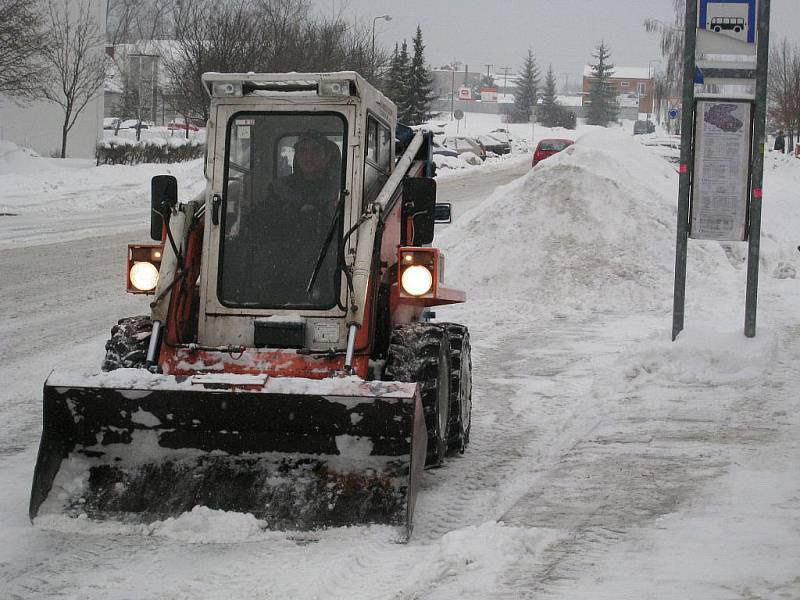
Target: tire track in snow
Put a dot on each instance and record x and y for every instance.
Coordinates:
(530, 408)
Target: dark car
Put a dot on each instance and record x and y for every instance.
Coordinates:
(547, 147)
(642, 127)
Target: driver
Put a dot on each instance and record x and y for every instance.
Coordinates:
(313, 187)
(299, 212)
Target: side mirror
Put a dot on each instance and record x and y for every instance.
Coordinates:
(442, 213)
(419, 202)
(163, 198)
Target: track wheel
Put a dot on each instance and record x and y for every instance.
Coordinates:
(127, 347)
(460, 387)
(420, 353)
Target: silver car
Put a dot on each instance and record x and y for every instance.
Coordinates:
(462, 144)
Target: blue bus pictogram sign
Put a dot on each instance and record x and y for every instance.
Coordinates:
(735, 18)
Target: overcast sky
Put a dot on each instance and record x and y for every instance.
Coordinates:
(562, 32)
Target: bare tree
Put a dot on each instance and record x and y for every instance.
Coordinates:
(21, 40)
(783, 89)
(270, 36)
(227, 37)
(74, 60)
(131, 21)
(671, 41)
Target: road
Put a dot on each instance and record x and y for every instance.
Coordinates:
(588, 453)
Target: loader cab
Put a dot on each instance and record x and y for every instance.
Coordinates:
(293, 159)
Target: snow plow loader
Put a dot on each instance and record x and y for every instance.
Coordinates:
(288, 366)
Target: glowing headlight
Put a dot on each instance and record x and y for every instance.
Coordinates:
(417, 280)
(144, 276)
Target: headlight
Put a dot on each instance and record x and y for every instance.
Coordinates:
(334, 88)
(417, 280)
(144, 276)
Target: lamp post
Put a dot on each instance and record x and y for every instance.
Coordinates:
(453, 65)
(652, 86)
(387, 18)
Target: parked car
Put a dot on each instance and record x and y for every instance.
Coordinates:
(547, 147)
(442, 151)
(111, 122)
(491, 143)
(504, 135)
(132, 124)
(641, 127)
(462, 144)
(182, 125)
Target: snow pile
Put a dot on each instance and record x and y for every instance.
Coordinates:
(453, 166)
(706, 353)
(15, 160)
(70, 186)
(201, 525)
(589, 228)
(780, 215)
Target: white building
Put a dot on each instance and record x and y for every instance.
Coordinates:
(37, 125)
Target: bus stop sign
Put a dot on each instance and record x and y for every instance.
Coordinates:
(733, 18)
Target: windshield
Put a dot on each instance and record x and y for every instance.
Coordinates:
(556, 145)
(283, 183)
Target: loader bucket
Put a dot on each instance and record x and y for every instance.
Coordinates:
(297, 453)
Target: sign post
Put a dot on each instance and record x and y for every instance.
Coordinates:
(458, 114)
(756, 184)
(723, 120)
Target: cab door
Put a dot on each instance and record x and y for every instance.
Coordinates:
(249, 257)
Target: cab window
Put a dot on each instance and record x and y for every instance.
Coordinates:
(377, 158)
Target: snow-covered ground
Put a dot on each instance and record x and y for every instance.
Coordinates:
(605, 460)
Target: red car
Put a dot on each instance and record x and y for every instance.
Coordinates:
(182, 125)
(548, 147)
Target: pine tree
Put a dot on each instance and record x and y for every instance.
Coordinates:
(402, 96)
(603, 107)
(549, 108)
(527, 83)
(392, 77)
(420, 89)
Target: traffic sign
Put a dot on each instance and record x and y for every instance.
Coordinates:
(673, 113)
(458, 114)
(732, 18)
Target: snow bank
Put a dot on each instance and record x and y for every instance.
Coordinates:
(33, 184)
(16, 160)
(589, 228)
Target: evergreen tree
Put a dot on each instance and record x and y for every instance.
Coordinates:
(603, 106)
(527, 83)
(402, 96)
(549, 108)
(420, 90)
(392, 76)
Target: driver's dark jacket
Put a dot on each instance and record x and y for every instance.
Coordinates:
(294, 220)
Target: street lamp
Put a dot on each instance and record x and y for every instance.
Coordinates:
(453, 65)
(652, 86)
(387, 18)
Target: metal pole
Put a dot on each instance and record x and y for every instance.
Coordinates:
(684, 188)
(372, 54)
(453, 91)
(759, 127)
(651, 80)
